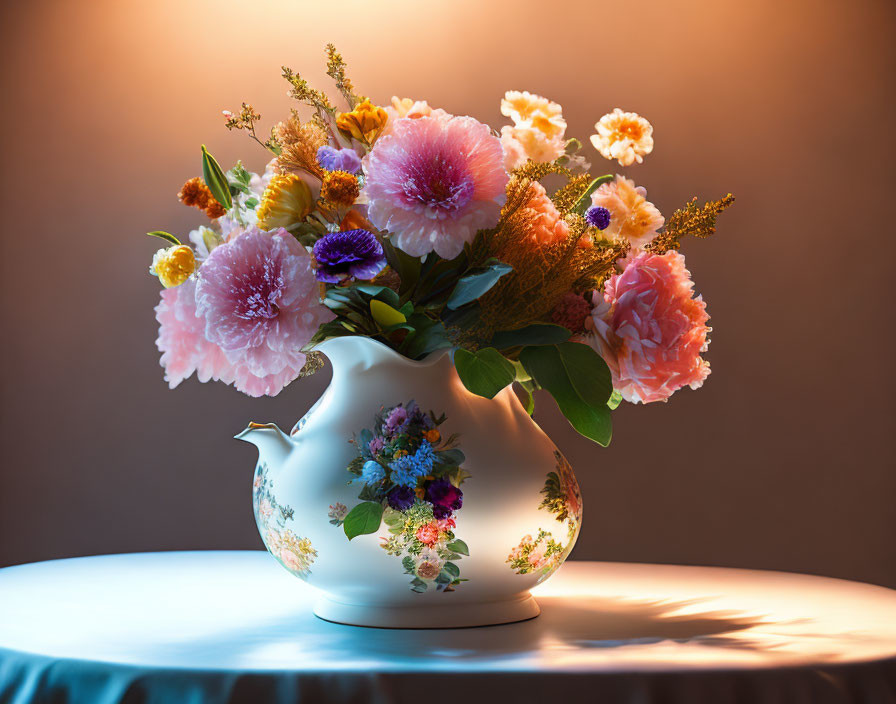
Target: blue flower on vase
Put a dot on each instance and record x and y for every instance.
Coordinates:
(372, 472)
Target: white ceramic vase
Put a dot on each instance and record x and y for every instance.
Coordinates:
(465, 539)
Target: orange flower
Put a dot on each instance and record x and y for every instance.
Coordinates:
(196, 194)
(353, 220)
(432, 435)
(340, 188)
(364, 123)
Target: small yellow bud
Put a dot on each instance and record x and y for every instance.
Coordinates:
(174, 265)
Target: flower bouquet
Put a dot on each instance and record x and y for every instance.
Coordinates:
(426, 230)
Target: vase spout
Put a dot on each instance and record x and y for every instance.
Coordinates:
(273, 444)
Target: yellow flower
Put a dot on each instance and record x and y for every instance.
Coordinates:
(286, 201)
(174, 265)
(340, 188)
(623, 136)
(364, 123)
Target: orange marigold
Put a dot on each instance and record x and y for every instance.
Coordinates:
(340, 188)
(198, 195)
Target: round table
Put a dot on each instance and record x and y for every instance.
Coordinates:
(235, 627)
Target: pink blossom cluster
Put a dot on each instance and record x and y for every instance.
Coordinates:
(246, 318)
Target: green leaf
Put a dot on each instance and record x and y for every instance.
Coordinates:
(363, 519)
(528, 398)
(451, 569)
(449, 458)
(535, 334)
(430, 336)
(473, 285)
(240, 176)
(457, 475)
(251, 203)
(588, 372)
(584, 202)
(215, 179)
(579, 381)
(484, 372)
(614, 400)
(458, 546)
(164, 235)
(403, 264)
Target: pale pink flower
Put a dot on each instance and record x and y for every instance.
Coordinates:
(649, 329)
(291, 559)
(446, 524)
(265, 509)
(410, 108)
(521, 143)
(182, 340)
(548, 227)
(632, 217)
(273, 540)
(433, 182)
(538, 555)
(259, 299)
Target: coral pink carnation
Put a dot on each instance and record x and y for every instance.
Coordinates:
(259, 299)
(649, 329)
(548, 227)
(428, 534)
(434, 181)
(182, 340)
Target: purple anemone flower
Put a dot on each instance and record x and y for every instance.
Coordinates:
(598, 217)
(444, 497)
(332, 159)
(401, 498)
(355, 253)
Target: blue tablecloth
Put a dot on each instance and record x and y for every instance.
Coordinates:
(234, 627)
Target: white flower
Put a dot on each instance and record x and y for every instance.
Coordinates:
(537, 131)
(623, 136)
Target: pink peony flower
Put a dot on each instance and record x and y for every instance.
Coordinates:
(434, 181)
(649, 329)
(182, 340)
(258, 297)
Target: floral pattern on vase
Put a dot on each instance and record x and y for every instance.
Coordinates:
(292, 551)
(544, 553)
(411, 480)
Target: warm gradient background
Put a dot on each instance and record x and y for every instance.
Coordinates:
(784, 460)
